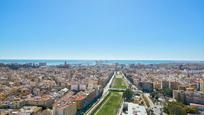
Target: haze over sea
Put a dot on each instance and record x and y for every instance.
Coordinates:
(93, 62)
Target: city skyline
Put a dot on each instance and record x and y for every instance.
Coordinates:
(102, 30)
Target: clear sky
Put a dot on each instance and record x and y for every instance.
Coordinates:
(102, 29)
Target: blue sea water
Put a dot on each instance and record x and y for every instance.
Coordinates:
(93, 62)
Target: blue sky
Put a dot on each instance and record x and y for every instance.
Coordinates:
(102, 29)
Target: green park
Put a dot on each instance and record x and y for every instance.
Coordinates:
(112, 102)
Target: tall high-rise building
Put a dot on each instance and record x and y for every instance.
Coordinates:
(202, 85)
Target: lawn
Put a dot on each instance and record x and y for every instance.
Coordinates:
(111, 105)
(119, 83)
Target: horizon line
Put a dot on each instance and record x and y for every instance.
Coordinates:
(84, 59)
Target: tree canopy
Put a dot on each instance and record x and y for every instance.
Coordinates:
(128, 94)
(175, 108)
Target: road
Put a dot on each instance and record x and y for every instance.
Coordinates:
(106, 88)
(155, 108)
(117, 89)
(100, 100)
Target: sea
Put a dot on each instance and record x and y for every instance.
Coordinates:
(93, 62)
